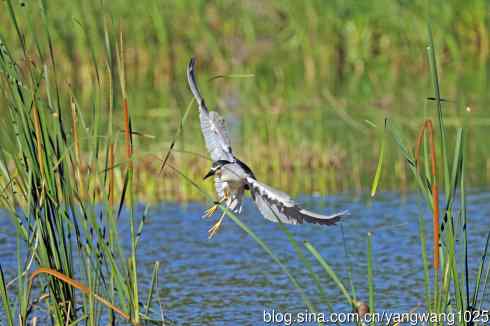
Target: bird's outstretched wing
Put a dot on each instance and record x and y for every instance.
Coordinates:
(277, 206)
(212, 124)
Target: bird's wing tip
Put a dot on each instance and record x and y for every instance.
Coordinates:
(191, 65)
(191, 80)
(340, 215)
(344, 213)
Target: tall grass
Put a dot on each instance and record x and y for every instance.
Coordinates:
(68, 166)
(449, 288)
(318, 80)
(65, 216)
(448, 285)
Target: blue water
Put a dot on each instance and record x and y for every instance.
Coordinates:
(230, 280)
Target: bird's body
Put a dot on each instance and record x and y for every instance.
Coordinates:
(230, 180)
(233, 177)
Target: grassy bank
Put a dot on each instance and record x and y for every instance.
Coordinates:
(301, 81)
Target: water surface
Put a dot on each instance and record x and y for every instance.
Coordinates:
(230, 280)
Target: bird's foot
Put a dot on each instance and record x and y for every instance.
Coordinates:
(215, 228)
(211, 210)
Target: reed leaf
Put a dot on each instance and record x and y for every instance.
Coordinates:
(5, 300)
(330, 272)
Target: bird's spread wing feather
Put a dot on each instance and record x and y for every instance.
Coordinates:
(216, 136)
(212, 124)
(277, 206)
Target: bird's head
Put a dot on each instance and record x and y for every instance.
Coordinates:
(216, 167)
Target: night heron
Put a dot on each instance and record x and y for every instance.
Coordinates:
(232, 177)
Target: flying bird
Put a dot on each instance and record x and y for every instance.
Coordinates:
(233, 177)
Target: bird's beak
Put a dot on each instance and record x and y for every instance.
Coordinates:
(210, 173)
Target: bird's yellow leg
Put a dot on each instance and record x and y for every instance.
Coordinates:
(215, 228)
(211, 210)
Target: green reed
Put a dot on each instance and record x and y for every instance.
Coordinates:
(64, 212)
(447, 282)
(448, 286)
(315, 83)
(58, 173)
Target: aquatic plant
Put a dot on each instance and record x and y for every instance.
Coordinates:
(347, 64)
(69, 171)
(448, 285)
(66, 218)
(449, 289)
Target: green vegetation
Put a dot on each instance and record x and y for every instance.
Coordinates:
(66, 219)
(79, 85)
(321, 71)
(448, 285)
(452, 288)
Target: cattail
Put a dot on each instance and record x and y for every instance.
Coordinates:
(361, 308)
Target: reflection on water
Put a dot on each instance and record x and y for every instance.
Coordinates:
(230, 279)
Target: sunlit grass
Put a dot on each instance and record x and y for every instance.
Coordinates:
(66, 184)
(314, 83)
(66, 218)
